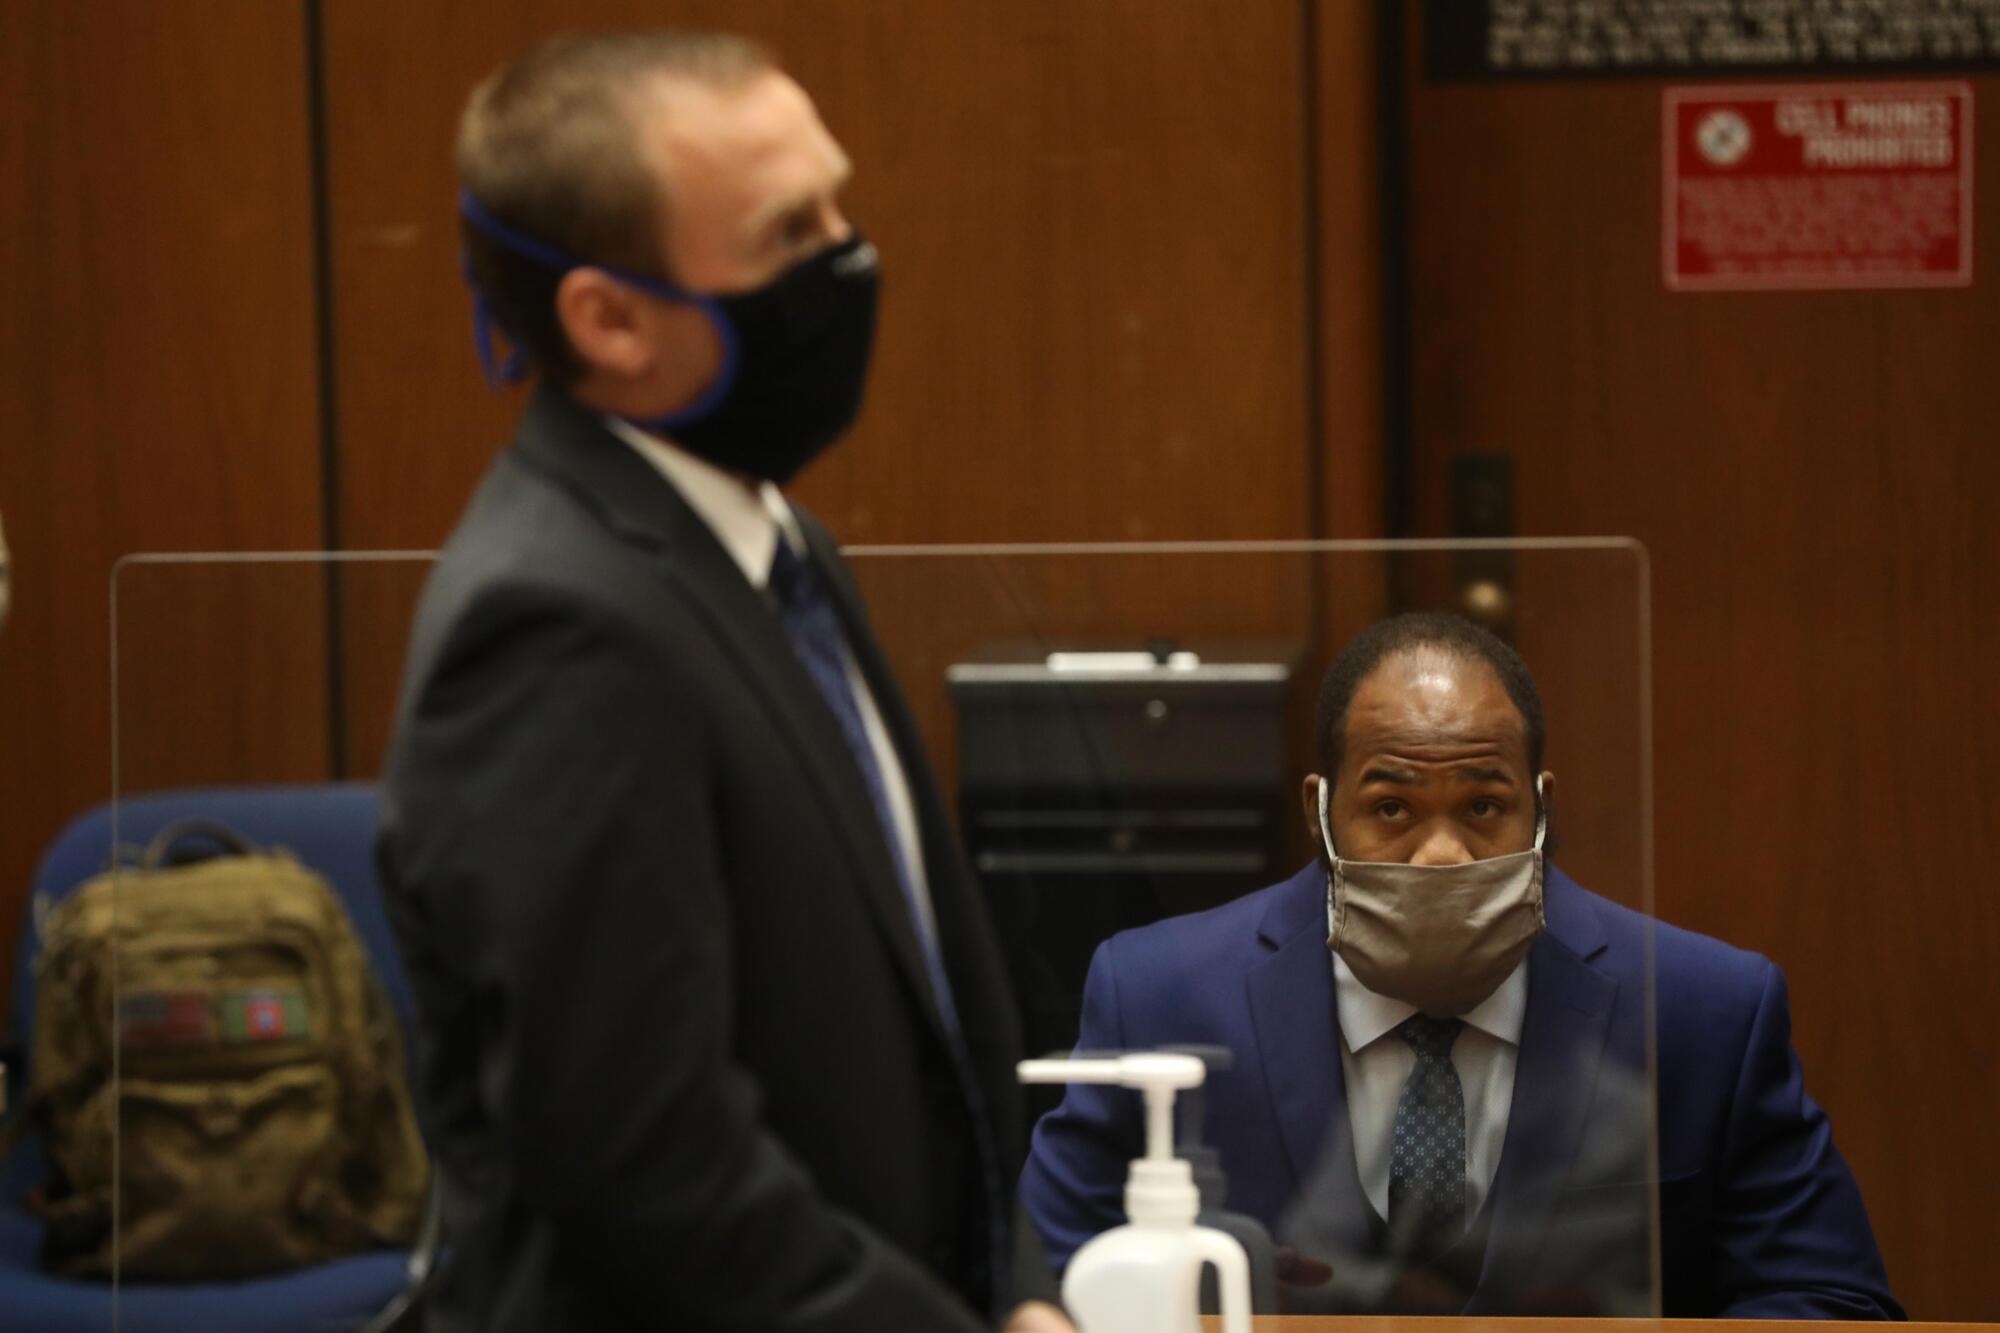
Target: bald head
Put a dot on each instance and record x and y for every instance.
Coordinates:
(1423, 633)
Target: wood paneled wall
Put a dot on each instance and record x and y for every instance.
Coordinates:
(1133, 291)
(1814, 475)
(1094, 223)
(157, 392)
(1099, 322)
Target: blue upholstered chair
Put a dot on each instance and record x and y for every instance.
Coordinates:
(330, 828)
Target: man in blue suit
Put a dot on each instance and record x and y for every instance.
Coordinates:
(1439, 1100)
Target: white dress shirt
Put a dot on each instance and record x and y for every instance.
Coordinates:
(1376, 1063)
(749, 524)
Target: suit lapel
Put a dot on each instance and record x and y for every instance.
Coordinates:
(1298, 1049)
(1562, 1048)
(571, 447)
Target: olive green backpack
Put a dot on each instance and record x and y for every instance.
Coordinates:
(260, 1096)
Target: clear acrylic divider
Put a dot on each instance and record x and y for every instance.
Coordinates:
(1126, 731)
(258, 1175)
(1122, 735)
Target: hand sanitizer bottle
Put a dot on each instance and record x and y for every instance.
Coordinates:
(1145, 1277)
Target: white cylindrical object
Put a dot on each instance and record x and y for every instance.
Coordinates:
(1161, 1194)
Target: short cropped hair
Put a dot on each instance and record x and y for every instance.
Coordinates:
(549, 145)
(1437, 631)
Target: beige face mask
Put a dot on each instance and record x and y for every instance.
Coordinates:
(1442, 938)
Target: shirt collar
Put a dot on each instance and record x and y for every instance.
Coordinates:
(747, 522)
(1366, 1017)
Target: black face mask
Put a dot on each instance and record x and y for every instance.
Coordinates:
(794, 354)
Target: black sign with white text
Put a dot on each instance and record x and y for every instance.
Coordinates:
(1529, 39)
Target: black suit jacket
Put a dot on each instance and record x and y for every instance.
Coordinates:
(679, 1061)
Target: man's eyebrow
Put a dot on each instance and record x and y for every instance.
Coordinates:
(761, 220)
(1401, 777)
(1499, 775)
(771, 212)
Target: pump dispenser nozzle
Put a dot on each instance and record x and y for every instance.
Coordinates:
(1157, 1077)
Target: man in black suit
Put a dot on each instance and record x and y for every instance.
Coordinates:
(713, 1030)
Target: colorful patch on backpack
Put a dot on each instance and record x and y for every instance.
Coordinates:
(150, 1019)
(264, 1015)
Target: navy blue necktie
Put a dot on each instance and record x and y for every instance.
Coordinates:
(813, 624)
(1427, 1190)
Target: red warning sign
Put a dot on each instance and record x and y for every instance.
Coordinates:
(1801, 186)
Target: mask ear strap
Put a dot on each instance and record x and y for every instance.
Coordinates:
(1326, 830)
(1541, 814)
(497, 372)
(519, 242)
(725, 378)
(515, 367)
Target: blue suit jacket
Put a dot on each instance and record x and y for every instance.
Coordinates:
(1758, 1213)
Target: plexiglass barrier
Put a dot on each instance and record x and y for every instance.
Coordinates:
(1120, 740)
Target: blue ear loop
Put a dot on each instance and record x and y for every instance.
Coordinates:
(515, 368)
(498, 373)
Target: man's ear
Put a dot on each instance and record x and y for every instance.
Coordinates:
(1309, 800)
(602, 319)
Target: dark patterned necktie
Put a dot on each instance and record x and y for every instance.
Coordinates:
(812, 622)
(1427, 1190)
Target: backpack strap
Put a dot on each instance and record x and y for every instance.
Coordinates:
(165, 848)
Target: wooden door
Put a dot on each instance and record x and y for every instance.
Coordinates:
(1814, 475)
(158, 392)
